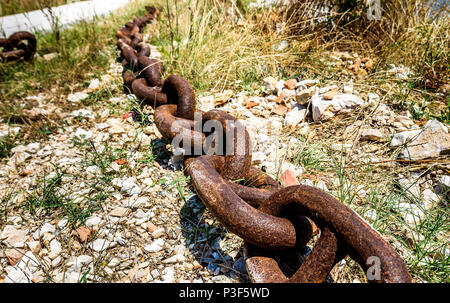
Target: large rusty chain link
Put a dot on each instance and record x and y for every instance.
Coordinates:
(247, 201)
(20, 45)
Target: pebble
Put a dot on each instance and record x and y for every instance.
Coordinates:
(239, 266)
(14, 255)
(47, 228)
(120, 212)
(14, 237)
(55, 249)
(174, 259)
(371, 134)
(431, 142)
(34, 246)
(156, 246)
(83, 233)
(295, 116)
(100, 245)
(129, 187)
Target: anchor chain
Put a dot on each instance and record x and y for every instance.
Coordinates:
(247, 201)
(20, 45)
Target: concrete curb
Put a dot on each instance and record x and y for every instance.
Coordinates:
(67, 14)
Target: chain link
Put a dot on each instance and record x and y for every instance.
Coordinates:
(20, 45)
(268, 217)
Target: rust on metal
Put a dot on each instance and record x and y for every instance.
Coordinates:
(237, 162)
(172, 126)
(327, 212)
(235, 214)
(20, 45)
(247, 201)
(151, 96)
(181, 93)
(152, 70)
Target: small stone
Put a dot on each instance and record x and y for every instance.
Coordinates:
(55, 249)
(62, 223)
(371, 134)
(93, 221)
(371, 214)
(14, 237)
(78, 96)
(348, 88)
(239, 266)
(156, 246)
(303, 95)
(280, 110)
(100, 245)
(431, 142)
(33, 148)
(82, 113)
(130, 188)
(150, 227)
(168, 275)
(14, 255)
(56, 261)
(290, 84)
(288, 178)
(295, 116)
(83, 233)
(25, 172)
(23, 271)
(403, 137)
(46, 228)
(221, 279)
(120, 212)
(34, 246)
(323, 109)
(50, 56)
(174, 259)
(430, 199)
(411, 213)
(330, 94)
(94, 85)
(251, 104)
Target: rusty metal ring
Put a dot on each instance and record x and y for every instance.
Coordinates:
(239, 160)
(172, 126)
(19, 45)
(180, 92)
(151, 96)
(143, 49)
(152, 70)
(129, 53)
(361, 240)
(253, 225)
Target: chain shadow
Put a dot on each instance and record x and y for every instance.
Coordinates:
(203, 237)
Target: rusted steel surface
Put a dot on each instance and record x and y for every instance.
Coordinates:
(20, 45)
(327, 212)
(234, 213)
(181, 93)
(171, 126)
(273, 221)
(239, 159)
(151, 70)
(148, 95)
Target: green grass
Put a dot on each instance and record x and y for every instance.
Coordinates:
(311, 157)
(6, 144)
(84, 49)
(49, 197)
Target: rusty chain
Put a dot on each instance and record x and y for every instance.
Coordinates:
(269, 218)
(20, 45)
